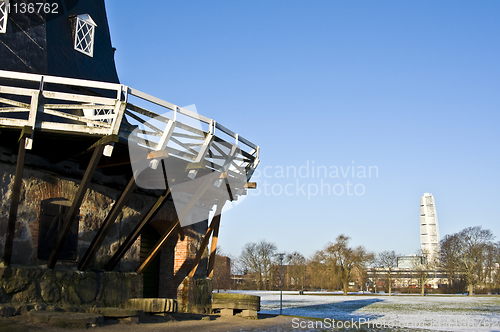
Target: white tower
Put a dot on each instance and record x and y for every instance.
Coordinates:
(429, 229)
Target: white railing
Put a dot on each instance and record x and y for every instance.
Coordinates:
(48, 103)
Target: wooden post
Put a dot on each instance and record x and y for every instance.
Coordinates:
(110, 219)
(213, 225)
(75, 206)
(137, 231)
(213, 248)
(16, 192)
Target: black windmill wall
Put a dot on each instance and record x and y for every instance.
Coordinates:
(42, 43)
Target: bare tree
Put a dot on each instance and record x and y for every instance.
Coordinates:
(321, 275)
(423, 268)
(449, 252)
(346, 259)
(258, 258)
(474, 243)
(496, 259)
(296, 269)
(388, 260)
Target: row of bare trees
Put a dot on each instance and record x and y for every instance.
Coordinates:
(469, 257)
(334, 267)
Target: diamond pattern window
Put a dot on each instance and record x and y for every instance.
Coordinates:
(84, 34)
(4, 11)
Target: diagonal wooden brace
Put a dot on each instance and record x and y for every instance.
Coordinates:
(122, 250)
(190, 204)
(213, 225)
(110, 219)
(75, 206)
(16, 192)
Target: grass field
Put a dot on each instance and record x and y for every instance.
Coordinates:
(439, 312)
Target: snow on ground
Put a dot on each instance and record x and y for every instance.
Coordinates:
(445, 313)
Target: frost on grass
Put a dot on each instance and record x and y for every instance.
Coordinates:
(403, 312)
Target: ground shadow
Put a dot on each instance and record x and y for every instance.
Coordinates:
(344, 310)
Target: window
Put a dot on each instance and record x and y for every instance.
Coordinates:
(51, 220)
(84, 34)
(4, 10)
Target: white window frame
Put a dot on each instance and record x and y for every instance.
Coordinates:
(4, 15)
(85, 23)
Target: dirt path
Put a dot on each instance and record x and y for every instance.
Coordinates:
(176, 323)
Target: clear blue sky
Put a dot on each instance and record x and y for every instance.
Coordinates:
(411, 87)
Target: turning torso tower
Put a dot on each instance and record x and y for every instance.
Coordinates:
(429, 229)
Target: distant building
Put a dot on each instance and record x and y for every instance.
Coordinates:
(429, 229)
(409, 262)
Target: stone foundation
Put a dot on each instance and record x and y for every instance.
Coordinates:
(30, 285)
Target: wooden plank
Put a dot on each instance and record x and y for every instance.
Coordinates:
(13, 122)
(201, 155)
(16, 91)
(120, 107)
(12, 110)
(74, 128)
(147, 113)
(35, 106)
(14, 103)
(251, 185)
(77, 118)
(168, 105)
(201, 138)
(106, 140)
(193, 130)
(214, 224)
(15, 196)
(75, 206)
(79, 106)
(215, 237)
(33, 109)
(199, 165)
(158, 154)
(213, 250)
(144, 122)
(122, 250)
(108, 222)
(78, 98)
(167, 135)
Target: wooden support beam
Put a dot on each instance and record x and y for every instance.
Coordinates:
(15, 196)
(137, 231)
(180, 216)
(202, 248)
(213, 250)
(110, 219)
(168, 233)
(109, 139)
(213, 246)
(75, 206)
